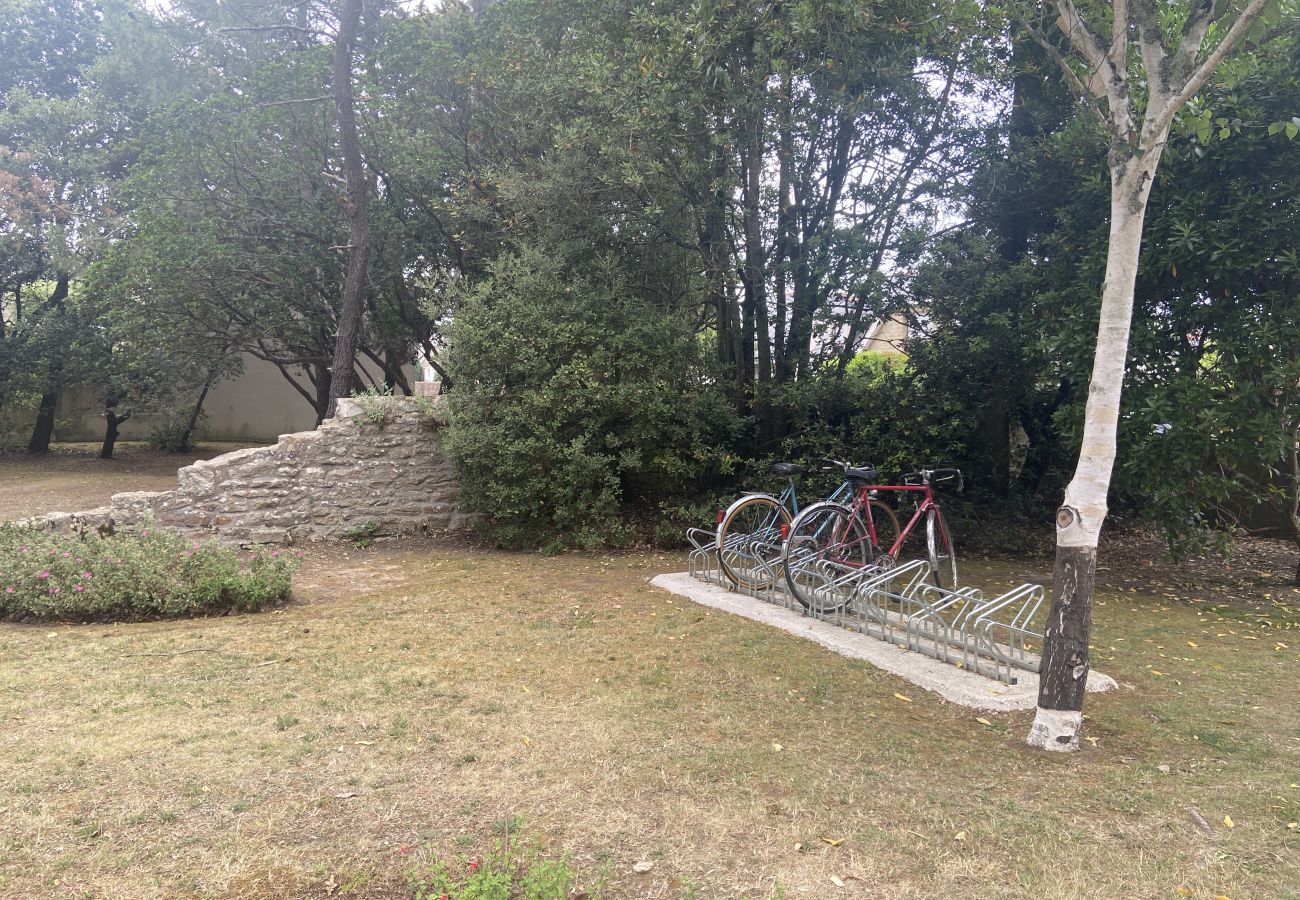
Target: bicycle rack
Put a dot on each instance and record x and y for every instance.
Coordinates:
(700, 561)
(896, 603)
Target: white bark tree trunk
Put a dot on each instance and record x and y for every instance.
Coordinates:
(1064, 671)
(1097, 70)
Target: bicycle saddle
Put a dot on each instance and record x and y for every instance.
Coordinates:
(866, 474)
(786, 469)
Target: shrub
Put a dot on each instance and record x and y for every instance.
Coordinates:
(574, 397)
(175, 435)
(132, 576)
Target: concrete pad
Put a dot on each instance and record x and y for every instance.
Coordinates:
(949, 682)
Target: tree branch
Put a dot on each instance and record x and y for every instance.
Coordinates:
(1078, 34)
(1118, 55)
(1072, 79)
(1159, 124)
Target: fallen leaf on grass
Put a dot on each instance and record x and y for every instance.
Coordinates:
(347, 795)
(642, 867)
(834, 842)
(983, 721)
(1227, 820)
(904, 699)
(959, 836)
(528, 742)
(777, 747)
(364, 743)
(836, 881)
(1184, 891)
(1192, 644)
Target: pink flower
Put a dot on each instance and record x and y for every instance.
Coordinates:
(54, 590)
(10, 589)
(42, 574)
(66, 554)
(79, 588)
(85, 574)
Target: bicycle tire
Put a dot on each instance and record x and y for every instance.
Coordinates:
(943, 560)
(827, 542)
(749, 541)
(885, 522)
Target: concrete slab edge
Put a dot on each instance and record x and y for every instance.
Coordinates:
(949, 682)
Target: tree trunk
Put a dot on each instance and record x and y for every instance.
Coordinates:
(112, 424)
(784, 224)
(354, 201)
(43, 430)
(755, 274)
(187, 439)
(1064, 671)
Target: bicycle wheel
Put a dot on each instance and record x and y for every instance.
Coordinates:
(943, 561)
(749, 541)
(825, 554)
(885, 523)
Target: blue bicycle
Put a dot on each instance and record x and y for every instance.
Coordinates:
(752, 530)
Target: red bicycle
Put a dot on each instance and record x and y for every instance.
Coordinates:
(829, 544)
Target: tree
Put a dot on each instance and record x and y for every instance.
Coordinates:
(1136, 115)
(355, 202)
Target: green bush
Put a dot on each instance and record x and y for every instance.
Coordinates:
(576, 398)
(132, 576)
(174, 435)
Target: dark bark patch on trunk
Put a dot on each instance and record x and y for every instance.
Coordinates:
(1064, 670)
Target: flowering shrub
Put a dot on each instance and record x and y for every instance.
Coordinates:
(146, 575)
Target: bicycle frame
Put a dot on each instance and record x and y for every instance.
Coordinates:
(860, 509)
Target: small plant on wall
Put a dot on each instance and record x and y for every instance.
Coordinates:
(378, 407)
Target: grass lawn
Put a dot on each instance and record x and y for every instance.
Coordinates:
(416, 700)
(72, 476)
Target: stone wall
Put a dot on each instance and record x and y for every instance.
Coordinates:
(329, 483)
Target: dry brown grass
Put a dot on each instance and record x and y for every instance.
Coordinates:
(425, 696)
(72, 476)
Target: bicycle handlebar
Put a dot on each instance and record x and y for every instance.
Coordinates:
(934, 476)
(921, 476)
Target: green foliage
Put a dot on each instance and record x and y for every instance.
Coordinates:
(378, 407)
(175, 435)
(524, 875)
(574, 396)
(130, 576)
(362, 535)
(1208, 426)
(426, 408)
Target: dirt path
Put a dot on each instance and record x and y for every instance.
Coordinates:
(72, 476)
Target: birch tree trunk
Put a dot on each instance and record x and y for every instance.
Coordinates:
(1064, 670)
(1096, 67)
